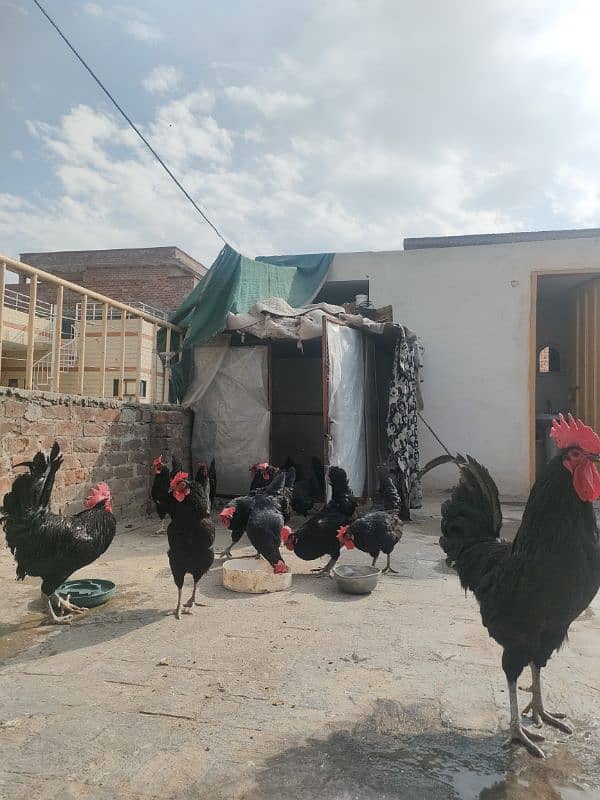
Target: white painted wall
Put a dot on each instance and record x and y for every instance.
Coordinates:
(474, 325)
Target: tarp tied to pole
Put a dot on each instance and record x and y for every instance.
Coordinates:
(235, 283)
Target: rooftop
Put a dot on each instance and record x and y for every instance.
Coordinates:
(427, 242)
(130, 256)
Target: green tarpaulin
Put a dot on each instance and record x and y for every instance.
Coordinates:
(236, 283)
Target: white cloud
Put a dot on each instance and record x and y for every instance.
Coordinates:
(17, 155)
(484, 119)
(130, 20)
(143, 31)
(163, 78)
(270, 103)
(93, 9)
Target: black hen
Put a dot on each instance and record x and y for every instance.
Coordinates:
(380, 530)
(530, 591)
(212, 480)
(266, 523)
(318, 536)
(191, 532)
(52, 546)
(236, 513)
(306, 490)
(262, 475)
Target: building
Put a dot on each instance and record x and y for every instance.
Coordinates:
(158, 278)
(510, 327)
(83, 343)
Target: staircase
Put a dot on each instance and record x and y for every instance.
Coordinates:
(68, 353)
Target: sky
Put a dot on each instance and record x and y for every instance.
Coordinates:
(325, 125)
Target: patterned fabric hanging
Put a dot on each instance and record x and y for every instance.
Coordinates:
(403, 406)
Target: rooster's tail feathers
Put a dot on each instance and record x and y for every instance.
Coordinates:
(472, 514)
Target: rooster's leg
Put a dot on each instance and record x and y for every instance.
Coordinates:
(326, 570)
(187, 607)
(53, 618)
(178, 609)
(517, 732)
(388, 566)
(162, 529)
(66, 605)
(227, 552)
(536, 706)
(374, 560)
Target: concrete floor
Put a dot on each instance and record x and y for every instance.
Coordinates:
(297, 695)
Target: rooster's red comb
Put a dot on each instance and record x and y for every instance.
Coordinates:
(177, 478)
(573, 432)
(98, 493)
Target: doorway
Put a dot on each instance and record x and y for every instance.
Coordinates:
(565, 353)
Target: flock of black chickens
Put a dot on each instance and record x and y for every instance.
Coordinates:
(529, 591)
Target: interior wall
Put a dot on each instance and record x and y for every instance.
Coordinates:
(296, 409)
(555, 327)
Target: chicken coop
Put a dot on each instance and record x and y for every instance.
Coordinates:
(283, 383)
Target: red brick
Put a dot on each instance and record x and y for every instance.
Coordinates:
(94, 428)
(10, 427)
(87, 445)
(68, 428)
(108, 414)
(14, 408)
(57, 412)
(18, 444)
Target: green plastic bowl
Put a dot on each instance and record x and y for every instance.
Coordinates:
(87, 593)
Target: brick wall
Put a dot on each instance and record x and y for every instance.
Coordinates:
(101, 441)
(159, 277)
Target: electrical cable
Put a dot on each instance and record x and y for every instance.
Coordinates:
(129, 121)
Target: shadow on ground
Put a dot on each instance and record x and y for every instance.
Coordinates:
(372, 762)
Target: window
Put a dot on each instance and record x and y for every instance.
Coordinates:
(13, 383)
(548, 359)
(143, 388)
(130, 387)
(115, 387)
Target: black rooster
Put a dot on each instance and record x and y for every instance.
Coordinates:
(530, 591)
(380, 530)
(318, 536)
(191, 532)
(160, 488)
(50, 546)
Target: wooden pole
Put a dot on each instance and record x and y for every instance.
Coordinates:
(31, 332)
(138, 372)
(57, 344)
(82, 336)
(167, 379)
(123, 332)
(104, 336)
(153, 388)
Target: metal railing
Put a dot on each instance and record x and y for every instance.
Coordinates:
(94, 311)
(20, 302)
(71, 353)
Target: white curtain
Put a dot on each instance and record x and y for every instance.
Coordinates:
(347, 403)
(230, 399)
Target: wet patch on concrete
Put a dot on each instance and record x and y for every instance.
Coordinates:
(374, 760)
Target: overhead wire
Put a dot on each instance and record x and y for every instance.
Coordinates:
(129, 121)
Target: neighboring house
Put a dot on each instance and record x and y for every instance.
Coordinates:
(157, 277)
(486, 309)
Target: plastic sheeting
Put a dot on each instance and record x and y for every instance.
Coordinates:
(347, 403)
(230, 399)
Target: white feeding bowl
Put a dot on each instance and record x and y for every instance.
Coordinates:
(254, 576)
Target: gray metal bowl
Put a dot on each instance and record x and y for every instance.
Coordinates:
(356, 579)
